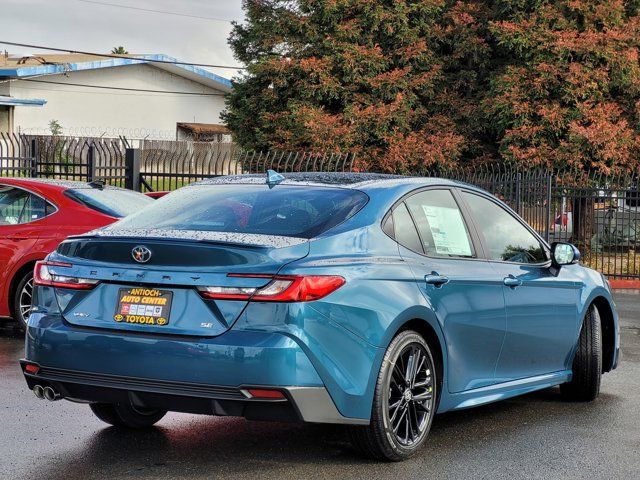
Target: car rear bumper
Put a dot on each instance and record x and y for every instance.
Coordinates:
(186, 374)
(306, 404)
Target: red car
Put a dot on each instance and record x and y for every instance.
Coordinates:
(36, 215)
(156, 195)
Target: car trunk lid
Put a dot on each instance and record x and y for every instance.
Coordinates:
(161, 295)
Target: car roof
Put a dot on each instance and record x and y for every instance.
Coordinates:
(339, 179)
(53, 190)
(64, 184)
(51, 183)
(353, 180)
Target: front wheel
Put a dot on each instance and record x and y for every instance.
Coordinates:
(128, 416)
(587, 364)
(404, 401)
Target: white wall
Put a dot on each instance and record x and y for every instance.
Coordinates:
(91, 111)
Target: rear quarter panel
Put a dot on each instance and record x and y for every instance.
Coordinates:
(345, 334)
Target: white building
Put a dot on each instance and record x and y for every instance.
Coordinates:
(98, 96)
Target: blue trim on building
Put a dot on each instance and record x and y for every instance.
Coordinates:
(27, 71)
(16, 102)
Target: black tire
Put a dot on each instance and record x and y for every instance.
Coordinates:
(587, 364)
(379, 440)
(24, 287)
(126, 416)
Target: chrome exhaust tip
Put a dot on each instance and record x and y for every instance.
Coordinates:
(38, 391)
(50, 394)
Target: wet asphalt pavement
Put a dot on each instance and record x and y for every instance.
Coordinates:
(535, 436)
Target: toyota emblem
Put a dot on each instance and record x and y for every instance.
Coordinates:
(141, 254)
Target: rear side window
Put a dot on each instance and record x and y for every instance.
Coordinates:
(18, 206)
(285, 210)
(405, 230)
(110, 201)
(506, 238)
(440, 224)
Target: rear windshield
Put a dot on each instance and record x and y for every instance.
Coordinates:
(110, 201)
(285, 210)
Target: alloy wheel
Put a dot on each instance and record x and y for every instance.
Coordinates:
(24, 301)
(410, 398)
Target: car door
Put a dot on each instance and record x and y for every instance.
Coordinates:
(463, 290)
(541, 307)
(21, 227)
(15, 237)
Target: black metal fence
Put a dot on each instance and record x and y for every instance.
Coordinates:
(148, 165)
(167, 165)
(70, 158)
(600, 214)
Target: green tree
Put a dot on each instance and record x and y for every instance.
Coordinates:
(381, 79)
(54, 153)
(407, 84)
(568, 93)
(119, 51)
(55, 128)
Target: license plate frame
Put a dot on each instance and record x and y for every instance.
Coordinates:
(143, 306)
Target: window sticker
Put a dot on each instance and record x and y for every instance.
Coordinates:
(448, 231)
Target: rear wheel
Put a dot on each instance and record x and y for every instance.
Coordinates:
(587, 364)
(404, 401)
(22, 299)
(126, 415)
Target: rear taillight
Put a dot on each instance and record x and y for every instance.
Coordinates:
(281, 288)
(48, 274)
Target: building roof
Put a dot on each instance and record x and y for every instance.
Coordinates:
(16, 102)
(58, 64)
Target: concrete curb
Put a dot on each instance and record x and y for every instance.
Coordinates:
(624, 284)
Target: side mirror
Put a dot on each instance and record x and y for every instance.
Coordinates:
(564, 254)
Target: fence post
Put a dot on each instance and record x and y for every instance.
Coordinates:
(34, 157)
(519, 193)
(548, 225)
(132, 162)
(91, 165)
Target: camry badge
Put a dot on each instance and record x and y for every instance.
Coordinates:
(141, 254)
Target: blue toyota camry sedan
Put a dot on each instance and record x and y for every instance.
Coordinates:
(360, 299)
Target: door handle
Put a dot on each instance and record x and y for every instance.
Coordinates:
(512, 281)
(435, 279)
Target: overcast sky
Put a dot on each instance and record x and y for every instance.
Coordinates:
(90, 25)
